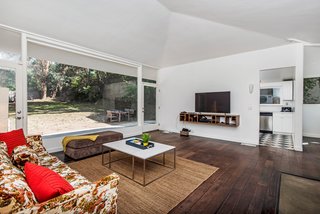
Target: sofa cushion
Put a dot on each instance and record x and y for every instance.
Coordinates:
(13, 186)
(72, 176)
(3, 147)
(35, 143)
(23, 154)
(13, 138)
(51, 162)
(98, 197)
(7, 203)
(45, 183)
(104, 137)
(4, 157)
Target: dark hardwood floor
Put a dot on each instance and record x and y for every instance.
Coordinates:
(248, 178)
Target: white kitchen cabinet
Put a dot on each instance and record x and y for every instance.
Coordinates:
(282, 122)
(277, 122)
(287, 90)
(282, 90)
(287, 123)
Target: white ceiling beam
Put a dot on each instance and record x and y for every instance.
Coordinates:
(305, 43)
(61, 45)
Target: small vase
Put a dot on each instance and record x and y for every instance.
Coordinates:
(145, 143)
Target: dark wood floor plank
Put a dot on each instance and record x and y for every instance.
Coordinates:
(197, 194)
(219, 190)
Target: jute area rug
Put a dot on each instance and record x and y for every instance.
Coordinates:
(159, 196)
(299, 195)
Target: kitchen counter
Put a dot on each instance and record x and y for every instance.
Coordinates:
(277, 111)
(272, 108)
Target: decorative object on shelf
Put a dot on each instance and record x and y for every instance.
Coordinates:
(139, 143)
(222, 120)
(218, 119)
(185, 132)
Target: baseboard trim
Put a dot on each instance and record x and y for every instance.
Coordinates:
(56, 149)
(233, 140)
(248, 144)
(308, 134)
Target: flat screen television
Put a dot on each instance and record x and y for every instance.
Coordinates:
(216, 102)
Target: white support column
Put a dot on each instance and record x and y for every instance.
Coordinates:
(4, 103)
(298, 91)
(24, 57)
(139, 92)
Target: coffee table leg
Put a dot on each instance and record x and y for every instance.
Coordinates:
(174, 158)
(132, 167)
(164, 159)
(102, 153)
(144, 172)
(109, 158)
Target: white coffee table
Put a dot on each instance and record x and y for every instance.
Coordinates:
(143, 154)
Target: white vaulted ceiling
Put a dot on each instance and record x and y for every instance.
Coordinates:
(191, 39)
(134, 29)
(167, 32)
(280, 18)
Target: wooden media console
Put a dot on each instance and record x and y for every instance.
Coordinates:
(217, 119)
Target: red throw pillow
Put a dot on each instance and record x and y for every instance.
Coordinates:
(13, 139)
(45, 183)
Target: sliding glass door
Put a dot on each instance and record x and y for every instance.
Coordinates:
(149, 109)
(10, 96)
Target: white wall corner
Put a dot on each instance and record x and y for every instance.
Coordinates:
(298, 90)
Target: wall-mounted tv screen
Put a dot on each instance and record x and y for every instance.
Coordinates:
(217, 102)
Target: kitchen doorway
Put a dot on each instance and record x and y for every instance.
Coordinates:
(277, 107)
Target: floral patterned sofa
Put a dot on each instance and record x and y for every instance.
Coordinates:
(87, 197)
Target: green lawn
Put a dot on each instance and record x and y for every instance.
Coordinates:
(55, 107)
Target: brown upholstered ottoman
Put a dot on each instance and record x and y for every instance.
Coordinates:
(78, 149)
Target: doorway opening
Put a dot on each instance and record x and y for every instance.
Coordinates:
(277, 105)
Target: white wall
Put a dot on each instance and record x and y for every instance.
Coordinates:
(234, 73)
(311, 112)
(10, 41)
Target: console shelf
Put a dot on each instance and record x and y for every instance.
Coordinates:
(217, 119)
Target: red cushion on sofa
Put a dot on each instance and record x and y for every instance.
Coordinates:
(13, 139)
(45, 183)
